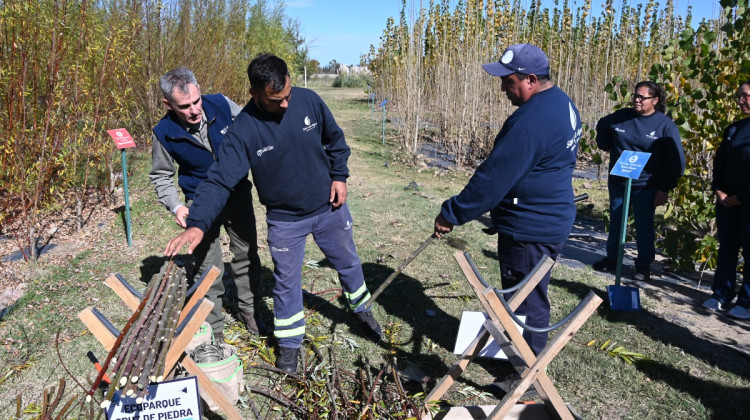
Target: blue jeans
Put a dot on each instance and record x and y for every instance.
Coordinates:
(642, 203)
(733, 224)
(517, 259)
(332, 232)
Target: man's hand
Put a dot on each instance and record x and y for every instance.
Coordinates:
(442, 226)
(338, 194)
(192, 236)
(180, 215)
(660, 198)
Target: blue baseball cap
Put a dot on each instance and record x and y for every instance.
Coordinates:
(519, 58)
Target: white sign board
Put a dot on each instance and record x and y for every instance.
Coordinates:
(469, 329)
(171, 400)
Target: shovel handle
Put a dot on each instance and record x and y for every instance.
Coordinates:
(403, 265)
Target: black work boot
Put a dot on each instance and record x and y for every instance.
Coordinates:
(642, 273)
(605, 264)
(287, 359)
(369, 326)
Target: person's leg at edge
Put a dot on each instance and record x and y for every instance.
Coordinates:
(333, 235)
(643, 211)
(743, 298)
(728, 224)
(243, 242)
(517, 259)
(206, 254)
(286, 241)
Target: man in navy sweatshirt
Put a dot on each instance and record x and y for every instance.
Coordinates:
(525, 182)
(189, 134)
(287, 137)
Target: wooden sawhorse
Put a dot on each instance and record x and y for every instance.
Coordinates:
(501, 327)
(196, 310)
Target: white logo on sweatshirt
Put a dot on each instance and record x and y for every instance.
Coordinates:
(264, 150)
(309, 125)
(573, 143)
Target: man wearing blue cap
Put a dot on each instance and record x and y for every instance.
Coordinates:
(525, 182)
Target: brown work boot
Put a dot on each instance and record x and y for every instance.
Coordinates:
(248, 319)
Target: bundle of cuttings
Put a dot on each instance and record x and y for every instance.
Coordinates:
(140, 352)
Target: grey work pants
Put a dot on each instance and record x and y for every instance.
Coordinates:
(238, 220)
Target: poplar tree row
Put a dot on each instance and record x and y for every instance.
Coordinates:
(428, 65)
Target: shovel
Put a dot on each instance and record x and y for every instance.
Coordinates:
(623, 298)
(393, 275)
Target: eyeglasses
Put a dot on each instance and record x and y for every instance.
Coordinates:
(743, 96)
(637, 97)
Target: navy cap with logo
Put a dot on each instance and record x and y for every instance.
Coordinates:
(519, 58)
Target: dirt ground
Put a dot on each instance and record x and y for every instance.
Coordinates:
(671, 301)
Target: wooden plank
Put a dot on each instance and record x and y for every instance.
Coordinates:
(181, 341)
(205, 283)
(588, 306)
(131, 301)
(520, 294)
(504, 323)
(457, 369)
(542, 384)
(97, 328)
(207, 387)
(518, 412)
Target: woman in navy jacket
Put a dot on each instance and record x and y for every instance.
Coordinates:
(642, 128)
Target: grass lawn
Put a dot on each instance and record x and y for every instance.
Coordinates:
(394, 200)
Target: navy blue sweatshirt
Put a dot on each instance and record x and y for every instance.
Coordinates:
(293, 159)
(525, 182)
(732, 162)
(657, 134)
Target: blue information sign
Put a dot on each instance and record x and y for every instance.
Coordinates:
(382, 104)
(630, 164)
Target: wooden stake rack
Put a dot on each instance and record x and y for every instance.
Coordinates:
(501, 327)
(196, 310)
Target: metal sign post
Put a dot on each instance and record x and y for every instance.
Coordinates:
(382, 105)
(123, 140)
(629, 165)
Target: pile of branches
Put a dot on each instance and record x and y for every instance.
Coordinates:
(52, 407)
(322, 389)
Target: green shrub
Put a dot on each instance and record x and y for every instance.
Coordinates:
(350, 81)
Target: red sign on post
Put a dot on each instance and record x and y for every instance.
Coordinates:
(122, 138)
